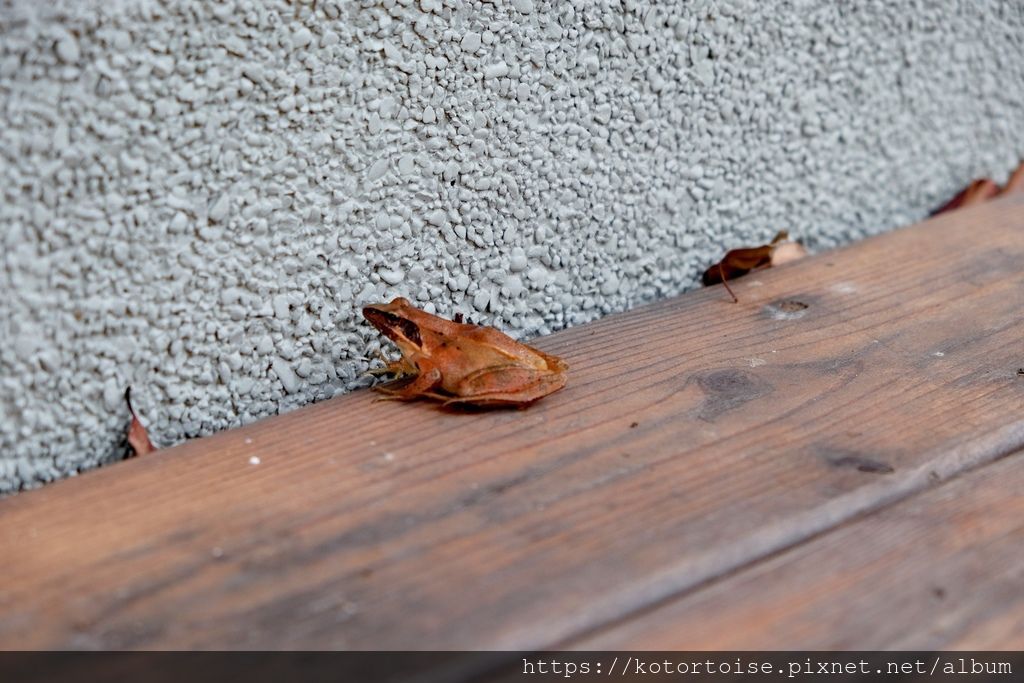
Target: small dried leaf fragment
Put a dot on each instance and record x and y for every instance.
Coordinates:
(982, 189)
(1015, 183)
(978, 191)
(786, 252)
(138, 437)
(739, 262)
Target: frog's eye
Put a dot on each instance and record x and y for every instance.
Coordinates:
(400, 301)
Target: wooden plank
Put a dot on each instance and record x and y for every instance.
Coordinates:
(939, 571)
(695, 437)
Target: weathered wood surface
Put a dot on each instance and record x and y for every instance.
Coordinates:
(696, 437)
(938, 571)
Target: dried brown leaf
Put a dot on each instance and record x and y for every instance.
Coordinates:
(983, 189)
(738, 262)
(138, 437)
(976, 192)
(979, 191)
(1015, 183)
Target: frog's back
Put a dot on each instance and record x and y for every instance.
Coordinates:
(505, 347)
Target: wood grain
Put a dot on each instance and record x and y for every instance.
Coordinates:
(696, 436)
(939, 571)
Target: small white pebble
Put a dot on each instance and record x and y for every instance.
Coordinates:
(392, 277)
(437, 217)
(470, 42)
(406, 164)
(302, 37)
(254, 460)
(496, 70)
(377, 170)
(113, 395)
(518, 261)
(178, 223)
(264, 345)
(282, 310)
(287, 376)
(610, 284)
(219, 211)
(67, 50)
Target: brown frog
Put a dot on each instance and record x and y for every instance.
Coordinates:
(460, 363)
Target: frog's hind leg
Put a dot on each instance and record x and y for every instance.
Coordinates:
(507, 386)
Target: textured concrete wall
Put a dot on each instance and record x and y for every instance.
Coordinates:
(199, 195)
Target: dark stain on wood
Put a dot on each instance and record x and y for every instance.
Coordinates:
(860, 463)
(726, 389)
(787, 309)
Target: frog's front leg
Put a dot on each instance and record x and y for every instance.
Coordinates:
(399, 368)
(420, 385)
